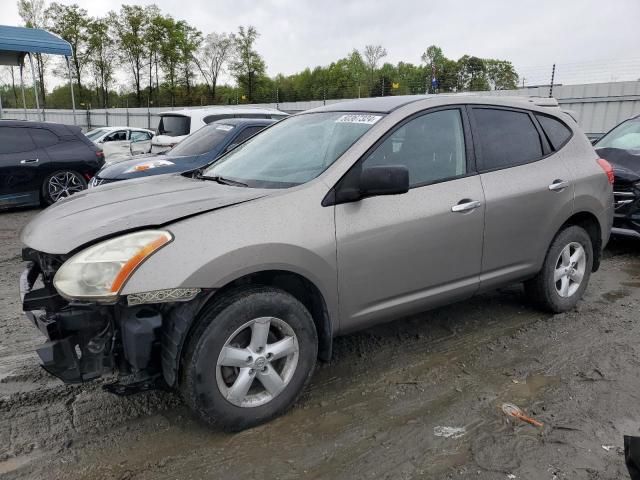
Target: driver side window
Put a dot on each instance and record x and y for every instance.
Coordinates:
(431, 146)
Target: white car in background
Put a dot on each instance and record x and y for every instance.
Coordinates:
(116, 142)
(175, 125)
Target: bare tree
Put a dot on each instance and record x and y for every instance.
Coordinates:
(34, 15)
(212, 57)
(372, 55)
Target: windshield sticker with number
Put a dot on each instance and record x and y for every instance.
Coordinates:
(354, 118)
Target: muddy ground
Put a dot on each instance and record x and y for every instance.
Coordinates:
(376, 411)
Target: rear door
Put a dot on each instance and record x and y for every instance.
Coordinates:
(528, 191)
(22, 167)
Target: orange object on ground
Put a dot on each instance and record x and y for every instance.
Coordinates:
(516, 412)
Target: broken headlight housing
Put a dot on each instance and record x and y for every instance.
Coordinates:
(99, 272)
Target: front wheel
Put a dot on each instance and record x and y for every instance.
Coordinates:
(566, 271)
(249, 358)
(62, 184)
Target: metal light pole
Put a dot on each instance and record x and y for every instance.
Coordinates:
(73, 100)
(24, 101)
(35, 87)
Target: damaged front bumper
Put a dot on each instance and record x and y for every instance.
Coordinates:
(626, 219)
(87, 340)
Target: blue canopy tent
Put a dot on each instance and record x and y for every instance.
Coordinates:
(18, 42)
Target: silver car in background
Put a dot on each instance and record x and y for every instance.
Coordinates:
(228, 283)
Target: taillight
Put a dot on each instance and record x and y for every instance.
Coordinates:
(608, 169)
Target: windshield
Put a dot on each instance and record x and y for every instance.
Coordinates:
(625, 136)
(95, 134)
(293, 151)
(174, 125)
(202, 141)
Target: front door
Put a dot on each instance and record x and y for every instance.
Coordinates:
(401, 254)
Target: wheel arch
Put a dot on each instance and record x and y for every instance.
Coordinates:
(590, 223)
(181, 321)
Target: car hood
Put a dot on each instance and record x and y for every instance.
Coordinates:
(621, 160)
(118, 171)
(125, 206)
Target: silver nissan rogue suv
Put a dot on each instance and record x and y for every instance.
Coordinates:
(227, 283)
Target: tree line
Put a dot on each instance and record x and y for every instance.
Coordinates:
(169, 63)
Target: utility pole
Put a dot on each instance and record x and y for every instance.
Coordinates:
(553, 74)
(523, 79)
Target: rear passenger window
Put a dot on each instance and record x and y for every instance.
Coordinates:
(506, 138)
(430, 146)
(43, 138)
(556, 131)
(15, 140)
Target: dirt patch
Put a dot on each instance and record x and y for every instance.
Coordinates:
(378, 410)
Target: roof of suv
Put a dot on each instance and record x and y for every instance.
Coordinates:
(57, 128)
(391, 103)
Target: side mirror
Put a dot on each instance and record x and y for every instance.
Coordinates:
(372, 182)
(384, 180)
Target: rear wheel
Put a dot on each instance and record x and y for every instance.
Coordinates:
(249, 358)
(566, 271)
(62, 184)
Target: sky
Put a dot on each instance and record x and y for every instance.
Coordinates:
(589, 39)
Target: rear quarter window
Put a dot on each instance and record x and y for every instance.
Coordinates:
(557, 132)
(505, 138)
(44, 138)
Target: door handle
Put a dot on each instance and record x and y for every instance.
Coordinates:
(465, 206)
(30, 160)
(558, 185)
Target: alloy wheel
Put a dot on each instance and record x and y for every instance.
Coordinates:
(570, 269)
(64, 184)
(257, 362)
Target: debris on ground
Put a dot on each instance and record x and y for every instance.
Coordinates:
(449, 432)
(515, 412)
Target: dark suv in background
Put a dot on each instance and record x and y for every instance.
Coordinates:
(42, 162)
(621, 147)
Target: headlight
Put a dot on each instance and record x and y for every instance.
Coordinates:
(141, 167)
(99, 272)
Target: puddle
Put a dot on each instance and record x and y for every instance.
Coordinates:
(530, 388)
(615, 295)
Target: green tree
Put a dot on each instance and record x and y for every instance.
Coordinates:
(189, 39)
(247, 67)
(472, 74)
(102, 57)
(130, 25)
(71, 23)
(501, 74)
(34, 15)
(372, 55)
(356, 68)
(212, 57)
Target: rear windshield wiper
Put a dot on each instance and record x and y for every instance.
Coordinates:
(222, 180)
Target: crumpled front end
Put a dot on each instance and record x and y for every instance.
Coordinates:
(627, 207)
(86, 340)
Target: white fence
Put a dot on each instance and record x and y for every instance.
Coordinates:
(598, 107)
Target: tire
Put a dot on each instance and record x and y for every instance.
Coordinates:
(62, 184)
(556, 287)
(207, 384)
